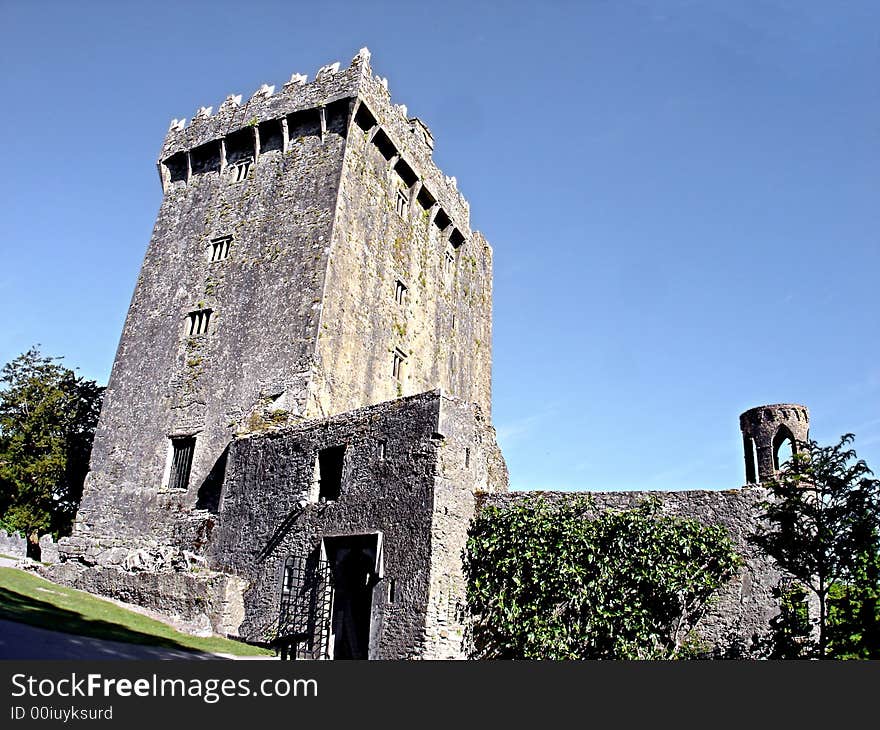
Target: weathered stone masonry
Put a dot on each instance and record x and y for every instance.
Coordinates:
(404, 476)
(308, 259)
(297, 428)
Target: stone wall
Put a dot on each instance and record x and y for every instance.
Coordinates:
(440, 323)
(13, 544)
(48, 550)
(396, 456)
(195, 600)
(469, 462)
(745, 605)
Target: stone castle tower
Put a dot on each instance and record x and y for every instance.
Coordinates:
(765, 430)
(296, 432)
(308, 261)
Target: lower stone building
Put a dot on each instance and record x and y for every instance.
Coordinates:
(340, 537)
(343, 537)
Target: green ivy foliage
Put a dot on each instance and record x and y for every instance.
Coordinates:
(559, 580)
(791, 633)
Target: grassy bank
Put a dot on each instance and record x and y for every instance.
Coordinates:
(29, 599)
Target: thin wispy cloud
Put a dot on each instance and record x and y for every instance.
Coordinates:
(515, 429)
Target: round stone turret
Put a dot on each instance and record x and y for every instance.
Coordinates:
(765, 430)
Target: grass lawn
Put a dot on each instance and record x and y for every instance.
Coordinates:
(29, 599)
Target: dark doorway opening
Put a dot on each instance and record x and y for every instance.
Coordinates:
(356, 565)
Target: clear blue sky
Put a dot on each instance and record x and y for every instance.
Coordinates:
(682, 197)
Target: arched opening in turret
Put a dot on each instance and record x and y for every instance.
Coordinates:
(751, 454)
(783, 447)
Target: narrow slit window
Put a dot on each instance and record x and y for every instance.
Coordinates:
(467, 458)
(220, 248)
(448, 263)
(397, 364)
(239, 170)
(288, 578)
(392, 593)
(382, 450)
(400, 293)
(181, 462)
(197, 322)
(402, 203)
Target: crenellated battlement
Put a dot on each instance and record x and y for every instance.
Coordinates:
(297, 94)
(407, 141)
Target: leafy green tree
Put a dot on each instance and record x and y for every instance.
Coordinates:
(821, 524)
(559, 581)
(854, 609)
(47, 422)
(791, 630)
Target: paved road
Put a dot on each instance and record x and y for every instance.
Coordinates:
(20, 641)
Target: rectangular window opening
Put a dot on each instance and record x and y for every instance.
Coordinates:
(181, 462)
(456, 238)
(301, 125)
(177, 167)
(197, 322)
(400, 293)
(330, 462)
(220, 248)
(397, 364)
(287, 583)
(391, 591)
(205, 158)
(240, 145)
(271, 136)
